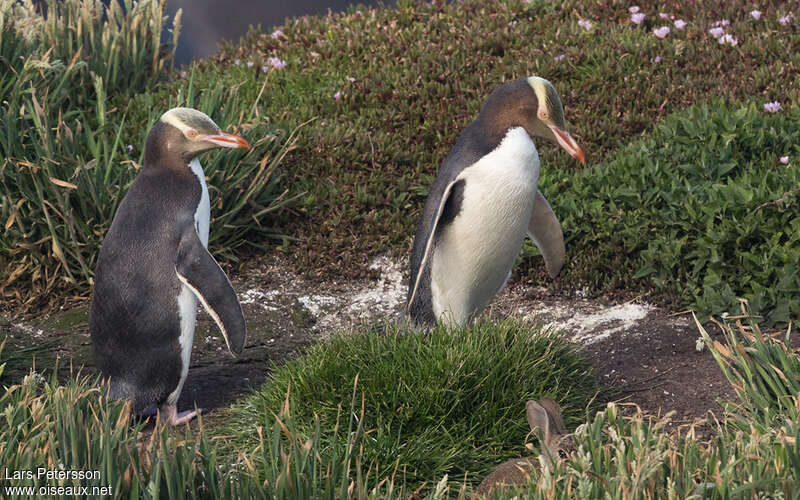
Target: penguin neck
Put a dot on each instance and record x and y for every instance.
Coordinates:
(508, 107)
(164, 148)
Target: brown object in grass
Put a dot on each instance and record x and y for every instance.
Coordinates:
(557, 444)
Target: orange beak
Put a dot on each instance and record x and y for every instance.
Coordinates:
(568, 143)
(225, 140)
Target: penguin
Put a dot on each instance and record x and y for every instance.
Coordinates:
(154, 266)
(482, 204)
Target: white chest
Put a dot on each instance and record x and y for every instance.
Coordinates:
(476, 251)
(202, 217)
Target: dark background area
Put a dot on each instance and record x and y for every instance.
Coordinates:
(206, 22)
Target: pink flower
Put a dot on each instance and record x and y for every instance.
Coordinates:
(729, 39)
(338, 95)
(661, 32)
(637, 18)
(351, 79)
(716, 32)
(723, 23)
(129, 147)
(585, 24)
(559, 57)
(663, 15)
(249, 64)
(276, 34)
(680, 24)
(772, 107)
(633, 9)
(785, 19)
(756, 14)
(657, 59)
(236, 62)
(276, 63)
(784, 160)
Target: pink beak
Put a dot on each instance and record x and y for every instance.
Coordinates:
(225, 140)
(568, 143)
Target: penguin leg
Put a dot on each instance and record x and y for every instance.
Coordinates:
(149, 411)
(174, 418)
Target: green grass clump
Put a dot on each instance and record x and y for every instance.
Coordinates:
(447, 402)
(700, 211)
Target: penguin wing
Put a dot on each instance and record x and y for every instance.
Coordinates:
(545, 231)
(429, 240)
(198, 270)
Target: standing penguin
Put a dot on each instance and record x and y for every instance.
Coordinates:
(154, 266)
(482, 203)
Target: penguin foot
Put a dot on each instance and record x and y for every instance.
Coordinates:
(174, 418)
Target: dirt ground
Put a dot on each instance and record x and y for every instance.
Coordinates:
(649, 355)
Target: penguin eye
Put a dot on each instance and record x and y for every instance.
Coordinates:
(191, 134)
(544, 115)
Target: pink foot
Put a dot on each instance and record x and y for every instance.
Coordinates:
(174, 418)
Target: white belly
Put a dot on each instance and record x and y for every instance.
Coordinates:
(476, 251)
(187, 300)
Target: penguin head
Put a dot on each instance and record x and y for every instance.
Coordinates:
(534, 104)
(186, 132)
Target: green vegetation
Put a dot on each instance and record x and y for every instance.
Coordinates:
(684, 199)
(73, 427)
(446, 402)
(700, 210)
(368, 159)
(80, 87)
(281, 451)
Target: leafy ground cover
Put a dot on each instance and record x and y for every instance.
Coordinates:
(700, 210)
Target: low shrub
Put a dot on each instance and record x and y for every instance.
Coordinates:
(700, 211)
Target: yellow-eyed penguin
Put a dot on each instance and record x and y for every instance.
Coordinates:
(483, 202)
(154, 266)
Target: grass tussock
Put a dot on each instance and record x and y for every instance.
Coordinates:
(72, 130)
(447, 402)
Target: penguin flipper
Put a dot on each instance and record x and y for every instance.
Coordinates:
(428, 248)
(545, 232)
(198, 270)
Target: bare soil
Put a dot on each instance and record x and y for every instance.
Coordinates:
(648, 355)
